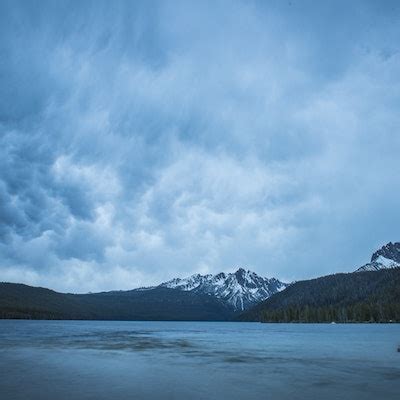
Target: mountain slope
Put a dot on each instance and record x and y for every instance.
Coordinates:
(240, 290)
(370, 296)
(387, 256)
(22, 301)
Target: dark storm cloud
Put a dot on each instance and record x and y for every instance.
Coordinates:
(144, 140)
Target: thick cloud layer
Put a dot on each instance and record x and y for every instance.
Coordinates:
(140, 141)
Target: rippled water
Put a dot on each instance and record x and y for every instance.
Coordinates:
(197, 360)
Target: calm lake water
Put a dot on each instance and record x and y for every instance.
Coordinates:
(197, 360)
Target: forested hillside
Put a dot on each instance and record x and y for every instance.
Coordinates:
(22, 301)
(355, 297)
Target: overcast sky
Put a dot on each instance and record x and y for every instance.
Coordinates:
(141, 141)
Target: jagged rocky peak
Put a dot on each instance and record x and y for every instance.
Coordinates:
(388, 256)
(240, 290)
(390, 251)
(242, 276)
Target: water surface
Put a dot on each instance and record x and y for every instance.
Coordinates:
(197, 360)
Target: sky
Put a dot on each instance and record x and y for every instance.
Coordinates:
(142, 141)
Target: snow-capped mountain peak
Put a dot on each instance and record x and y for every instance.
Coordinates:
(390, 251)
(387, 256)
(240, 289)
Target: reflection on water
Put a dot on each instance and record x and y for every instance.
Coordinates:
(197, 360)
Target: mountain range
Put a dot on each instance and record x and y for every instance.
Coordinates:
(239, 290)
(199, 297)
(371, 294)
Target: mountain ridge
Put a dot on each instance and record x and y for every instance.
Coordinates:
(388, 256)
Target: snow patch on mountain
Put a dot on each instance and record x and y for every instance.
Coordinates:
(241, 289)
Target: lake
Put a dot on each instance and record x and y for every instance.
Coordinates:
(197, 360)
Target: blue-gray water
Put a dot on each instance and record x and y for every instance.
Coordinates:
(197, 360)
